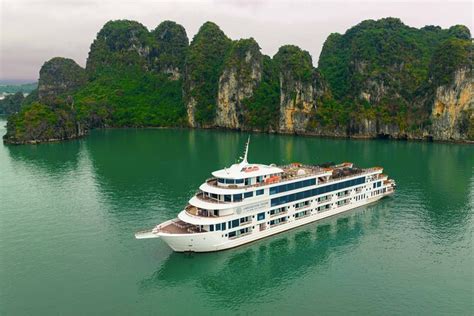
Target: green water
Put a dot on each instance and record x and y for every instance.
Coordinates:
(68, 212)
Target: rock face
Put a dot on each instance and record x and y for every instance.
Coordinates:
(51, 116)
(119, 44)
(11, 103)
(170, 45)
(379, 79)
(301, 88)
(453, 108)
(204, 64)
(59, 77)
(241, 75)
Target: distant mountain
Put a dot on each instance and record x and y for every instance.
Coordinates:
(14, 88)
(378, 79)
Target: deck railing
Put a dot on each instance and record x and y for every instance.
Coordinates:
(316, 171)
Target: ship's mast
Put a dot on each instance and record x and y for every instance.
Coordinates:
(244, 160)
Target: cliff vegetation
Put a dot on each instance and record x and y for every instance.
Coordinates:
(381, 78)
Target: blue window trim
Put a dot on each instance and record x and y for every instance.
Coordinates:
(292, 186)
(317, 191)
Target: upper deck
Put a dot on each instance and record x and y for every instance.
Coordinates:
(298, 171)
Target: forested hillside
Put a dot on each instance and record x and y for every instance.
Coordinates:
(379, 79)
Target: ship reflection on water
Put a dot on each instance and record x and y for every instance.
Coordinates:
(249, 271)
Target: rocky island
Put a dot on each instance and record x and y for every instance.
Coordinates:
(379, 79)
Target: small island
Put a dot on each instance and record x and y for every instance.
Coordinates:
(379, 79)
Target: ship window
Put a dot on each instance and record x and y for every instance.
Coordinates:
(220, 180)
(239, 181)
(260, 216)
(223, 226)
(211, 228)
(235, 223)
(218, 226)
(260, 192)
(247, 181)
(248, 194)
(227, 198)
(244, 219)
(237, 197)
(229, 181)
(214, 196)
(232, 234)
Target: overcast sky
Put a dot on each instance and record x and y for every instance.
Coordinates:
(33, 31)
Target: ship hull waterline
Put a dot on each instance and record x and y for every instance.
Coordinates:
(214, 241)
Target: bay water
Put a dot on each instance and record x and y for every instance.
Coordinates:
(69, 211)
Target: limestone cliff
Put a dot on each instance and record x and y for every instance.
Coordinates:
(241, 75)
(379, 79)
(301, 88)
(452, 113)
(119, 45)
(59, 78)
(204, 64)
(169, 48)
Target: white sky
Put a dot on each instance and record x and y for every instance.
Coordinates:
(33, 31)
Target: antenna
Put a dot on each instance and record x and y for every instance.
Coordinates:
(246, 151)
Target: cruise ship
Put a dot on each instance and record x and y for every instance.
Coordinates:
(248, 201)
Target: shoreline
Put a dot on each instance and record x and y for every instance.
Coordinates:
(309, 135)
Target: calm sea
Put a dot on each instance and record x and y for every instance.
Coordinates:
(68, 213)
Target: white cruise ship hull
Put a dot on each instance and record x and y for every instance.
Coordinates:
(216, 241)
(247, 202)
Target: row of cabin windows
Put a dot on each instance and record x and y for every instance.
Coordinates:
(245, 181)
(377, 184)
(380, 191)
(261, 216)
(317, 191)
(292, 186)
(301, 214)
(278, 220)
(242, 231)
(236, 197)
(231, 181)
(236, 222)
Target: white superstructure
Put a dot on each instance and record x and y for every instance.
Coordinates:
(248, 201)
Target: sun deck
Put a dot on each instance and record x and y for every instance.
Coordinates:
(179, 227)
(296, 171)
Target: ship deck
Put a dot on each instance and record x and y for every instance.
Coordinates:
(293, 171)
(179, 227)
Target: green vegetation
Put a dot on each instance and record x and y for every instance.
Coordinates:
(169, 47)
(59, 79)
(121, 92)
(11, 103)
(40, 122)
(379, 67)
(205, 61)
(261, 111)
(293, 59)
(119, 44)
(451, 55)
(382, 71)
(131, 99)
(385, 51)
